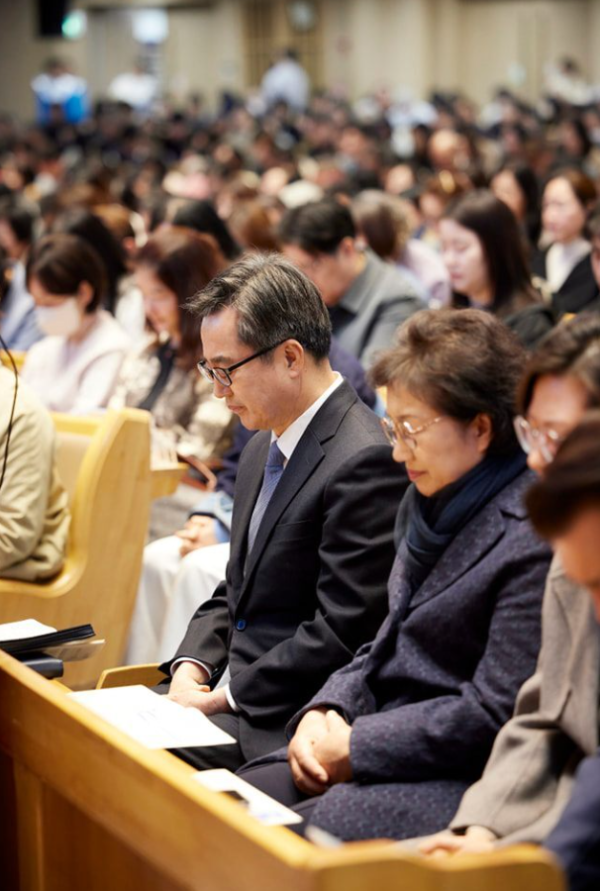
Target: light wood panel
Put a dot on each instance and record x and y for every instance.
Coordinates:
(93, 809)
(18, 359)
(268, 29)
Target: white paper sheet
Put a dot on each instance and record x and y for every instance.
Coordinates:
(25, 628)
(152, 719)
(260, 806)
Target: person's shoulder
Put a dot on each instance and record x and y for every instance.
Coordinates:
(391, 284)
(531, 323)
(108, 331)
(359, 432)
(257, 442)
(519, 536)
(44, 353)
(511, 499)
(29, 410)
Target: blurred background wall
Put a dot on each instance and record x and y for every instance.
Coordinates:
(355, 46)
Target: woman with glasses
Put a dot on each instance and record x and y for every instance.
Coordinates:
(528, 779)
(390, 743)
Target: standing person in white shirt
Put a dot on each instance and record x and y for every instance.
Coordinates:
(138, 88)
(286, 81)
(75, 368)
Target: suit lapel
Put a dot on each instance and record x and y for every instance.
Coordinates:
(306, 457)
(243, 507)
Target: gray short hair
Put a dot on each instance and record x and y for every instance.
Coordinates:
(274, 301)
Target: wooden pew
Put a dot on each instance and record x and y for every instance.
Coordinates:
(18, 359)
(105, 466)
(86, 807)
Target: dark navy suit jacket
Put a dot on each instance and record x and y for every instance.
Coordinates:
(313, 588)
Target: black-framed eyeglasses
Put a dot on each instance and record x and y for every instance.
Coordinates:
(223, 375)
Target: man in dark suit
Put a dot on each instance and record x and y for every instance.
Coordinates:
(367, 299)
(315, 501)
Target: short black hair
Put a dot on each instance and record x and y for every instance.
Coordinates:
(318, 227)
(274, 302)
(201, 216)
(20, 218)
(91, 228)
(62, 262)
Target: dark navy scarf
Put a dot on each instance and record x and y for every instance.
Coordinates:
(428, 524)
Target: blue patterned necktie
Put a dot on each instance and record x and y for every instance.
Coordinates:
(273, 470)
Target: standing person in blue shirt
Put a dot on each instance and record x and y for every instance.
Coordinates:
(58, 90)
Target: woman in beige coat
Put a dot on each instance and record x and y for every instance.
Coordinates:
(34, 517)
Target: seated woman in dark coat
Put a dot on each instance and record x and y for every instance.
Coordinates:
(566, 265)
(391, 741)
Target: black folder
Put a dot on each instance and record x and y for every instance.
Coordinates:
(40, 642)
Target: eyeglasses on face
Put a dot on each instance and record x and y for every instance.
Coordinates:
(532, 439)
(223, 375)
(404, 431)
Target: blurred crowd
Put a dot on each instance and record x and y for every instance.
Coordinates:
(109, 225)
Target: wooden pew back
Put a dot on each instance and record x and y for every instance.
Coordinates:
(86, 807)
(106, 462)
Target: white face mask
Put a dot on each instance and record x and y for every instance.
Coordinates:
(62, 321)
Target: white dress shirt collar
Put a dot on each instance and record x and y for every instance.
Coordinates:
(292, 435)
(561, 259)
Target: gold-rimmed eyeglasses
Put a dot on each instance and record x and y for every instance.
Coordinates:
(404, 431)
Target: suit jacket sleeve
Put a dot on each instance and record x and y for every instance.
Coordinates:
(355, 555)
(207, 633)
(451, 734)
(350, 675)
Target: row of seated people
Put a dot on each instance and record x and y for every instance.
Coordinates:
(92, 363)
(327, 532)
(374, 728)
(367, 299)
(484, 254)
(368, 294)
